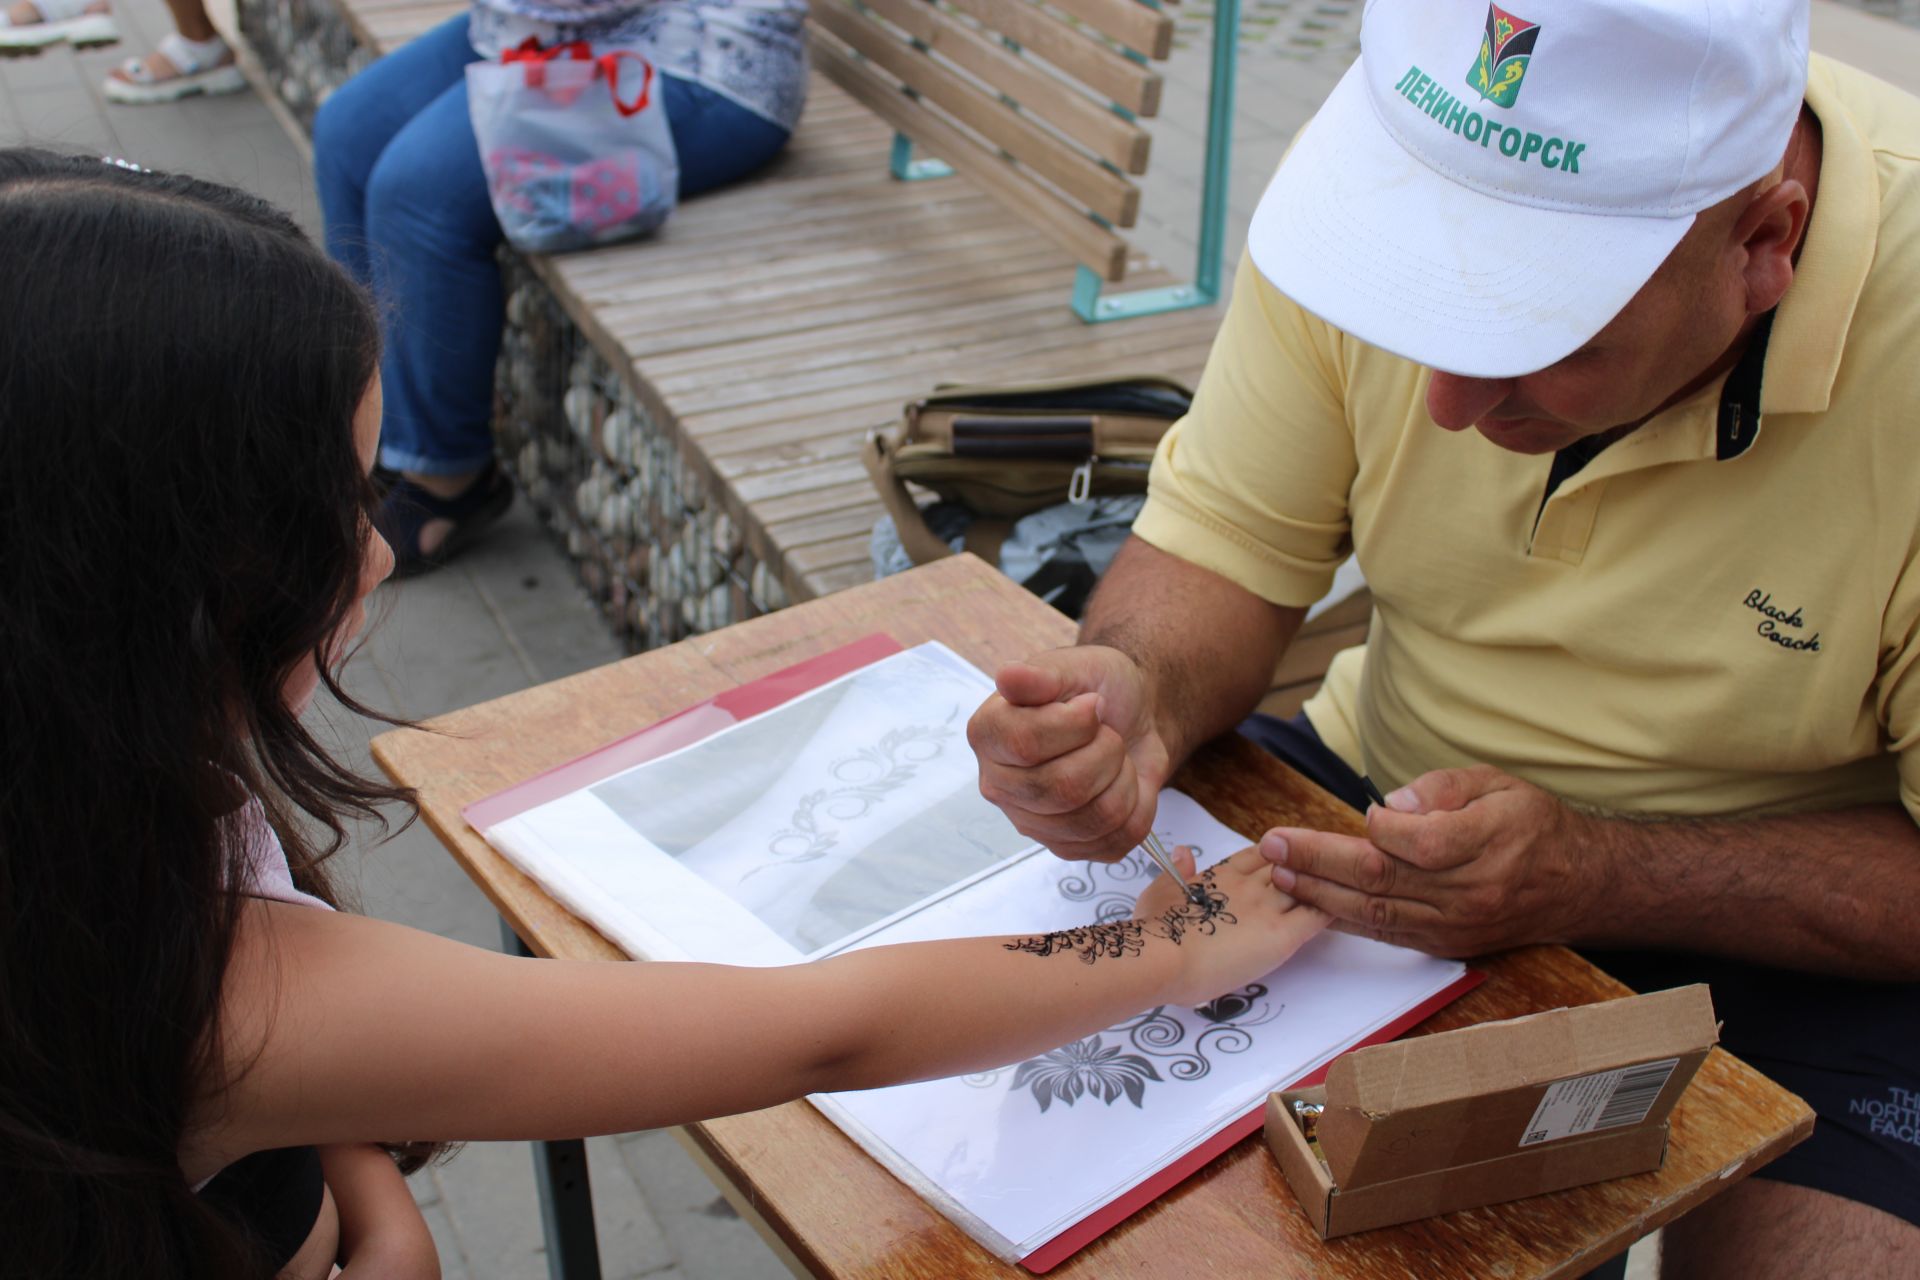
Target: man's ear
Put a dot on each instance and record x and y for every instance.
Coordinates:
(1767, 234)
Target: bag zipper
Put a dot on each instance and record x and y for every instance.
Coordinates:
(1080, 487)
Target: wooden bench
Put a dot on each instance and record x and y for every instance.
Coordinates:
(770, 326)
(1053, 138)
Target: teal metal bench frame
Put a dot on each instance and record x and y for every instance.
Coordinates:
(1090, 301)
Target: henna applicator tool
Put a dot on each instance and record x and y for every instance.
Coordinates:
(1158, 852)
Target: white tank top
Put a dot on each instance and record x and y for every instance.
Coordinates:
(267, 874)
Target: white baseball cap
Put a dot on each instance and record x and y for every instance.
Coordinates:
(1464, 208)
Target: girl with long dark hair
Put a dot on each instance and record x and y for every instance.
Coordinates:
(197, 1055)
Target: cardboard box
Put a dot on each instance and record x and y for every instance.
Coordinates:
(1494, 1112)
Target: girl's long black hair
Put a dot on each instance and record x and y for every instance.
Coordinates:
(182, 521)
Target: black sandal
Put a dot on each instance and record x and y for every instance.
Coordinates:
(406, 508)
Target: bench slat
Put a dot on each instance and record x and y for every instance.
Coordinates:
(1089, 243)
(958, 281)
(854, 262)
(389, 28)
(1129, 84)
(810, 418)
(1133, 24)
(845, 522)
(927, 355)
(826, 346)
(1100, 189)
(807, 429)
(828, 228)
(844, 497)
(829, 559)
(1090, 123)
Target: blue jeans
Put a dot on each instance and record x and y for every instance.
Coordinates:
(407, 213)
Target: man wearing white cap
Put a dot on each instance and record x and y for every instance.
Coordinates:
(1591, 332)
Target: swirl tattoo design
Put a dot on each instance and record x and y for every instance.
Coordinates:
(1093, 885)
(1095, 1068)
(866, 778)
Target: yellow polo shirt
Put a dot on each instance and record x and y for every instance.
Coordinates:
(1720, 614)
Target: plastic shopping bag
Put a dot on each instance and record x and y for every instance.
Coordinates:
(575, 145)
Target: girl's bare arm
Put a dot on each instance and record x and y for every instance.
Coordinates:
(359, 1030)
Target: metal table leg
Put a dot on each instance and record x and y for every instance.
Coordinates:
(566, 1200)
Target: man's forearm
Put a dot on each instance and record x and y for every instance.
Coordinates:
(1835, 892)
(1207, 646)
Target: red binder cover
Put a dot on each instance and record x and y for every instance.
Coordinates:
(704, 719)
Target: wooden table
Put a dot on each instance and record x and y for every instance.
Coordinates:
(831, 1211)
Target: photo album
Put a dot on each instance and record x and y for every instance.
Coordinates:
(836, 806)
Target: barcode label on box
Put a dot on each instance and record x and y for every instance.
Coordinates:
(1603, 1100)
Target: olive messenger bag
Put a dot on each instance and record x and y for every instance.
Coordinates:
(1009, 450)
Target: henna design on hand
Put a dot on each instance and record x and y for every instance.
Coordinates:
(1089, 942)
(1188, 914)
(1128, 937)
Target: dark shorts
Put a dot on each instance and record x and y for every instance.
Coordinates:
(1851, 1049)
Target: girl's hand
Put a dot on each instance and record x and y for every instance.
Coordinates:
(1248, 927)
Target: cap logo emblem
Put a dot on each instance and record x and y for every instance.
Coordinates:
(1505, 50)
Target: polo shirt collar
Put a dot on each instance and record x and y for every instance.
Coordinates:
(1799, 345)
(1810, 328)
(1737, 424)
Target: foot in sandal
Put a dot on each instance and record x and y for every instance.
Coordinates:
(34, 24)
(177, 68)
(426, 529)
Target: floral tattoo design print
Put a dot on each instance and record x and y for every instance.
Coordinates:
(1163, 1048)
(1087, 1067)
(1118, 938)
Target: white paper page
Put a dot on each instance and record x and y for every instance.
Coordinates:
(1031, 1149)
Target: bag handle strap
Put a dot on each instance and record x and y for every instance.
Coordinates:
(536, 58)
(920, 543)
(529, 50)
(610, 64)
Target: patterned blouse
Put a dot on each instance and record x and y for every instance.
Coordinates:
(752, 51)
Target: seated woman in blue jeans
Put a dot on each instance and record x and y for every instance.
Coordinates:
(407, 212)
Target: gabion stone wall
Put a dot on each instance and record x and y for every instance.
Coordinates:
(651, 544)
(307, 48)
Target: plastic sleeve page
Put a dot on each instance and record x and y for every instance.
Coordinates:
(787, 834)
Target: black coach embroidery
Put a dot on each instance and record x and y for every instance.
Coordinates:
(1781, 626)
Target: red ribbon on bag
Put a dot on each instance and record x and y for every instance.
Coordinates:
(536, 58)
(610, 64)
(607, 64)
(529, 50)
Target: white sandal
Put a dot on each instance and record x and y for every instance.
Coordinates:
(200, 66)
(59, 20)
